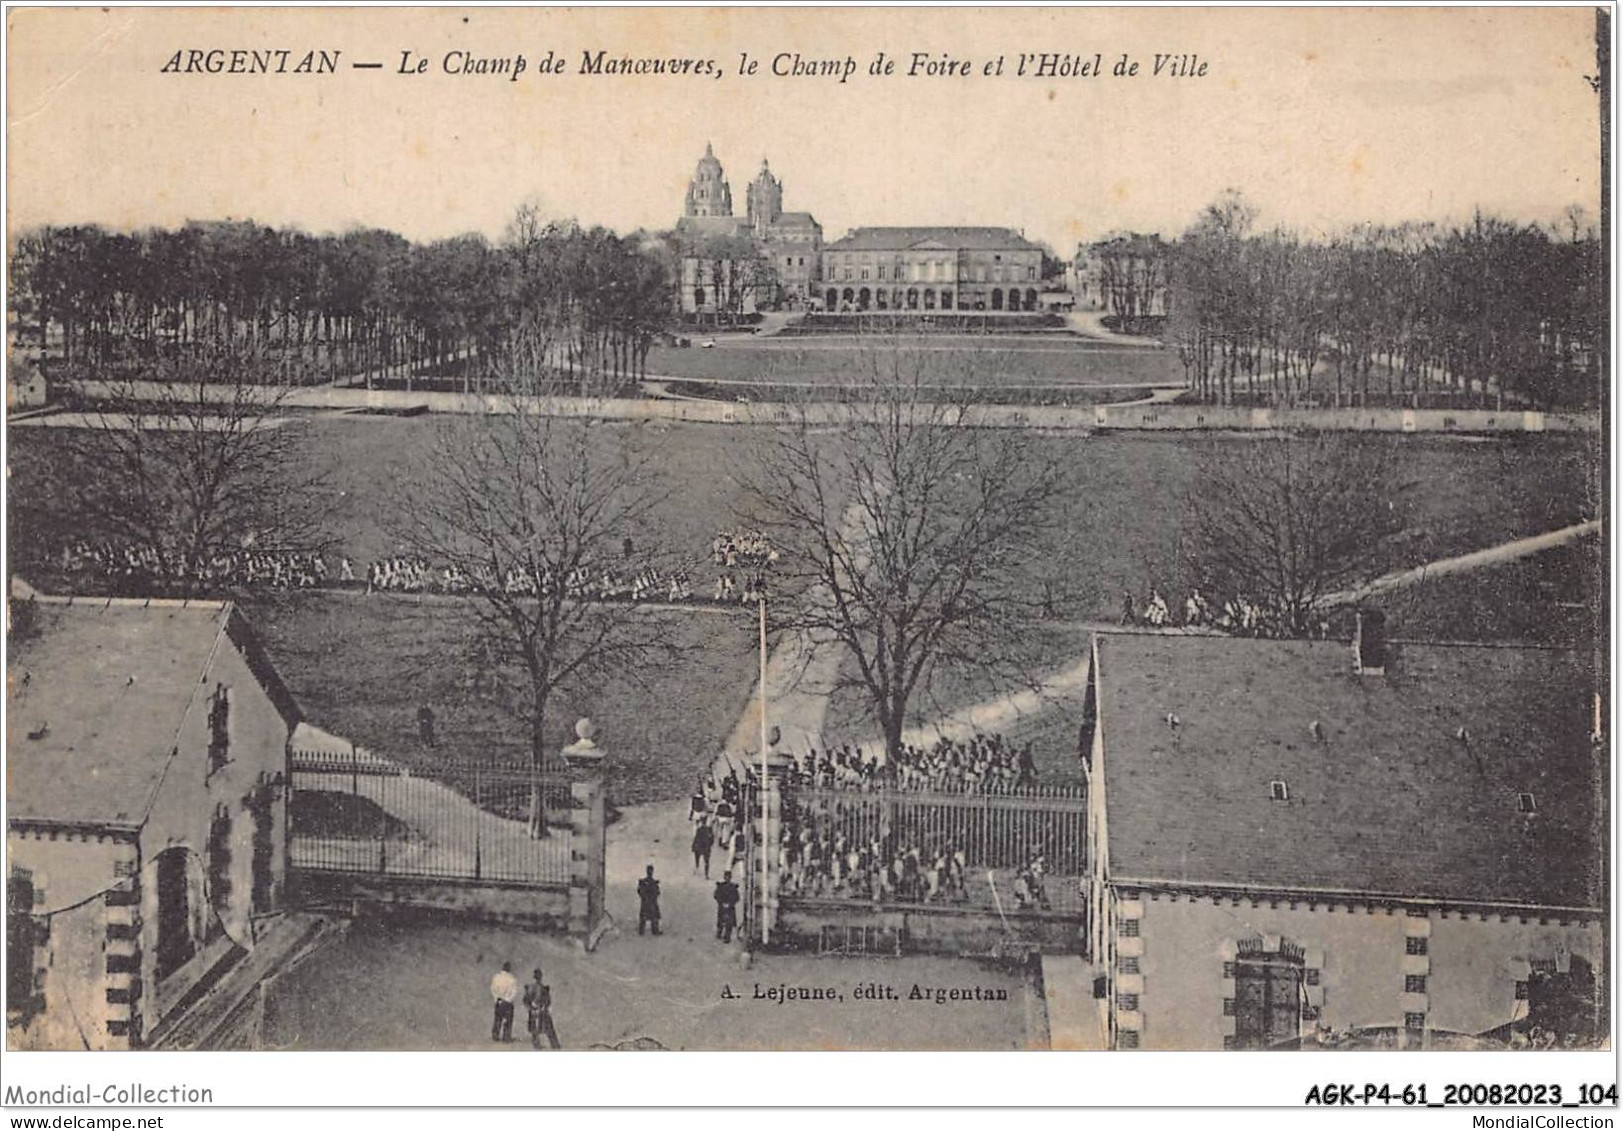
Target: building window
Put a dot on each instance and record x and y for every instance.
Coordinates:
(1127, 1039)
(1310, 1012)
(1129, 928)
(883, 272)
(220, 728)
(1228, 1007)
(1414, 944)
(1127, 1003)
(1525, 803)
(1414, 1020)
(1230, 1041)
(1311, 975)
(1278, 791)
(261, 808)
(1228, 969)
(1521, 991)
(1414, 983)
(1127, 964)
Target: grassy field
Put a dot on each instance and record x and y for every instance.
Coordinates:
(1120, 530)
(1557, 598)
(837, 361)
(362, 666)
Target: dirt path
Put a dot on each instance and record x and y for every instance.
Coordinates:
(801, 674)
(1465, 563)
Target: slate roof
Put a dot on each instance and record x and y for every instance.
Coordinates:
(1391, 801)
(105, 686)
(707, 227)
(900, 239)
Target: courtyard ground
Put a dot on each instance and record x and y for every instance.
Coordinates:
(425, 985)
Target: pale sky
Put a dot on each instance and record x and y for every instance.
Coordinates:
(1323, 118)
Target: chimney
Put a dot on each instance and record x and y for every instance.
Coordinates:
(1369, 642)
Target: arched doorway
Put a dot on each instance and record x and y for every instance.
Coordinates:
(880, 300)
(176, 943)
(21, 928)
(846, 298)
(946, 300)
(698, 298)
(1268, 993)
(997, 298)
(1031, 299)
(831, 300)
(929, 300)
(864, 297)
(912, 298)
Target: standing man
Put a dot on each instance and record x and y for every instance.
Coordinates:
(504, 991)
(648, 896)
(703, 840)
(538, 1004)
(726, 907)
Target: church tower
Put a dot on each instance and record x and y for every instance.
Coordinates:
(708, 194)
(764, 201)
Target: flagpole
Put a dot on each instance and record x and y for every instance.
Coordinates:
(766, 838)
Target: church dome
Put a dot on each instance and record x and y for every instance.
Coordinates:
(709, 168)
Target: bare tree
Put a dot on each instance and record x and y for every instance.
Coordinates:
(1290, 521)
(528, 510)
(188, 461)
(907, 534)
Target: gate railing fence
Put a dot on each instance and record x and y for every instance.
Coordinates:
(356, 812)
(1038, 831)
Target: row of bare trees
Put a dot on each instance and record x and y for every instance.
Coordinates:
(365, 305)
(1488, 313)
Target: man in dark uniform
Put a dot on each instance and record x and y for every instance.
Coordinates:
(703, 840)
(538, 1003)
(648, 895)
(726, 907)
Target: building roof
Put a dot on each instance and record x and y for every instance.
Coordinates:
(901, 239)
(97, 698)
(691, 228)
(1391, 800)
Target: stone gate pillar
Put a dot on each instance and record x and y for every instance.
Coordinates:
(587, 832)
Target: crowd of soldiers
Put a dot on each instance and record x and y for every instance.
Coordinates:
(983, 764)
(129, 566)
(124, 565)
(814, 863)
(817, 862)
(742, 558)
(1237, 616)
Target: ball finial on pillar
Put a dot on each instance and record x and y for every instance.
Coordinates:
(584, 753)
